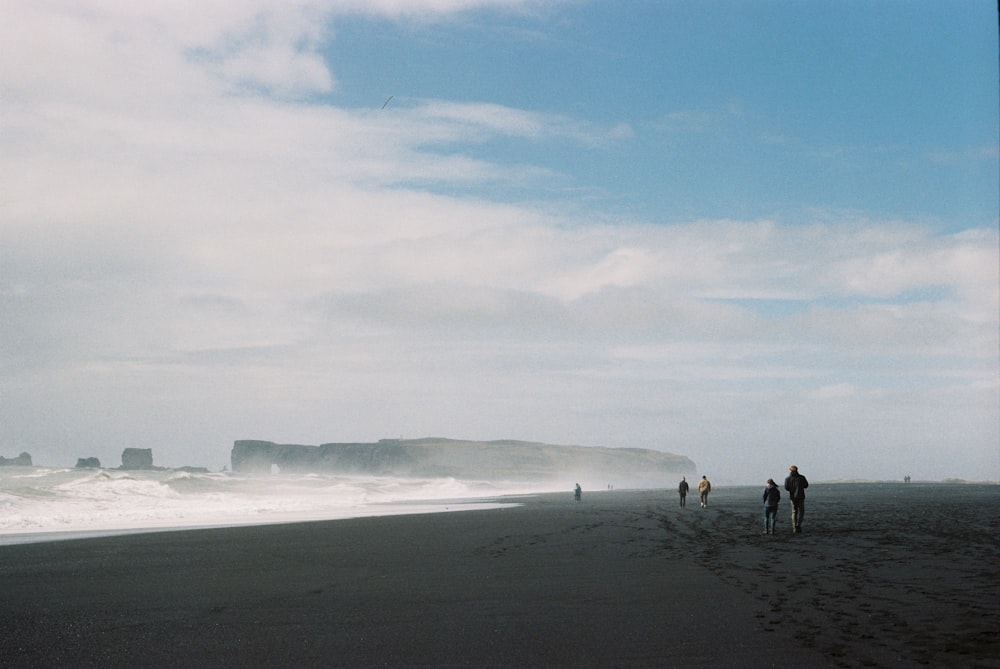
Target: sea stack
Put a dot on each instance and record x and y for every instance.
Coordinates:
(23, 460)
(137, 458)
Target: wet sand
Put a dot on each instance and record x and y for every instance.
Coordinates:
(883, 575)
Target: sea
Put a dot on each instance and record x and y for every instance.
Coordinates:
(49, 504)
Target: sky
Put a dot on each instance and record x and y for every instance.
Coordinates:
(755, 233)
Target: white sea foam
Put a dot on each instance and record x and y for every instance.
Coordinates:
(42, 504)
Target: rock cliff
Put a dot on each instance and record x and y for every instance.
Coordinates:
(471, 460)
(23, 460)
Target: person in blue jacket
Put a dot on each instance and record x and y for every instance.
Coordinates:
(772, 498)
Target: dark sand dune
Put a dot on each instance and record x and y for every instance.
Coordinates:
(883, 576)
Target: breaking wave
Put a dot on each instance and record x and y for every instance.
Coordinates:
(38, 503)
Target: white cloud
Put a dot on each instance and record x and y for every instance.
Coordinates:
(416, 9)
(834, 392)
(182, 243)
(478, 122)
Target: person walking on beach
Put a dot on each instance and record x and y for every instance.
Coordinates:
(796, 485)
(577, 492)
(682, 490)
(704, 487)
(772, 497)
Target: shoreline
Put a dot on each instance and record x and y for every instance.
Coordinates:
(32, 536)
(18, 536)
(623, 578)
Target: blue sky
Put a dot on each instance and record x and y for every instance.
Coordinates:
(733, 108)
(748, 232)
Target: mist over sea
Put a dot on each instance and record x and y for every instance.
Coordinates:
(44, 504)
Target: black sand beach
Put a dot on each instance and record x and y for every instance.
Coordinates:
(884, 575)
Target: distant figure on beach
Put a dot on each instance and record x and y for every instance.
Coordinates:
(682, 490)
(796, 485)
(906, 479)
(772, 497)
(577, 492)
(704, 487)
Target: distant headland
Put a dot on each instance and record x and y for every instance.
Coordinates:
(433, 457)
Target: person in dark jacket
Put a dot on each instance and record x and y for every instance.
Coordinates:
(772, 497)
(682, 490)
(796, 485)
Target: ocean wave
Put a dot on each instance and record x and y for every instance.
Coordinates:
(46, 500)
